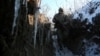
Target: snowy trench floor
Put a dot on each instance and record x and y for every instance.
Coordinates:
(58, 52)
(91, 48)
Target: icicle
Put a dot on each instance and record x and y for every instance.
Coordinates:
(48, 36)
(25, 4)
(35, 29)
(17, 6)
(42, 34)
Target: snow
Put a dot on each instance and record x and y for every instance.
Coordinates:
(85, 10)
(58, 52)
(91, 48)
(95, 0)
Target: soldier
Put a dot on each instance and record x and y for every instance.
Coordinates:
(61, 21)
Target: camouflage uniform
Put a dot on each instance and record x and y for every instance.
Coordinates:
(61, 21)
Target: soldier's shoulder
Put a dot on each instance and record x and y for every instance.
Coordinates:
(65, 15)
(56, 15)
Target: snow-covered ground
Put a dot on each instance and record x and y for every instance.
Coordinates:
(58, 52)
(91, 48)
(93, 6)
